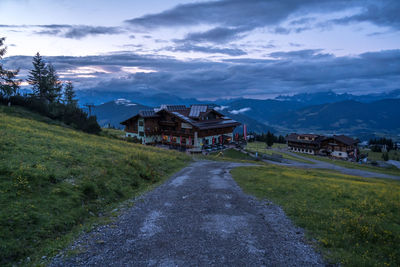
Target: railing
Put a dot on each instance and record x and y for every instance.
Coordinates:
(167, 123)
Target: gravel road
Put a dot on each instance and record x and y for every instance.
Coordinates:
(200, 217)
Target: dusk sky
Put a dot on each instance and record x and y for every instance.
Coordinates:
(210, 49)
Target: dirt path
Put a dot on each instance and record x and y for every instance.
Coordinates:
(330, 166)
(200, 217)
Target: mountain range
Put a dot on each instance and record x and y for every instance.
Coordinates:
(362, 116)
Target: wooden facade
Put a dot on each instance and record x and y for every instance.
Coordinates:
(339, 146)
(180, 126)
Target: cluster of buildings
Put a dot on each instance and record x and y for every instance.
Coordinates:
(339, 146)
(181, 127)
(198, 126)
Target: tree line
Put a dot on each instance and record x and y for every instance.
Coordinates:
(268, 138)
(376, 144)
(50, 96)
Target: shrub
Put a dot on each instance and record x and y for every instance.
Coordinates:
(89, 190)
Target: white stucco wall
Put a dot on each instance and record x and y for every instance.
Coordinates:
(302, 150)
(339, 154)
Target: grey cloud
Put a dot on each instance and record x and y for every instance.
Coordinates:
(232, 18)
(295, 44)
(300, 54)
(382, 13)
(48, 32)
(81, 31)
(69, 31)
(207, 49)
(287, 72)
(281, 30)
(215, 35)
(302, 21)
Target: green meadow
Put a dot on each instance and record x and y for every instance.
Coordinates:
(354, 221)
(55, 181)
(261, 148)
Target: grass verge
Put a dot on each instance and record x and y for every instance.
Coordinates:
(355, 221)
(260, 147)
(228, 155)
(54, 181)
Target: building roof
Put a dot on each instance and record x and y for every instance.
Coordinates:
(345, 139)
(173, 107)
(293, 137)
(204, 125)
(147, 113)
(195, 110)
(183, 117)
(189, 115)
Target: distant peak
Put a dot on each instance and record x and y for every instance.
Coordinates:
(123, 101)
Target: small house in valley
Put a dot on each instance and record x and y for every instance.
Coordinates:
(339, 146)
(180, 126)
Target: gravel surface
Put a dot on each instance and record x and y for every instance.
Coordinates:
(200, 217)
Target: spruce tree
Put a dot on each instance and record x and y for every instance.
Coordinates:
(53, 85)
(270, 139)
(38, 77)
(9, 85)
(69, 95)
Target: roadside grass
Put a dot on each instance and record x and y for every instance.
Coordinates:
(112, 133)
(354, 221)
(260, 147)
(392, 170)
(277, 145)
(56, 182)
(232, 154)
(229, 154)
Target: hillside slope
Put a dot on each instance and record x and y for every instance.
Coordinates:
(53, 178)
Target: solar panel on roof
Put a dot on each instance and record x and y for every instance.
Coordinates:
(147, 113)
(175, 107)
(195, 110)
(183, 117)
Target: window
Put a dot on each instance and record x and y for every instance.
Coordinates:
(141, 123)
(141, 133)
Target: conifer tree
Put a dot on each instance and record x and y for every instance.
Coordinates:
(38, 77)
(69, 95)
(9, 85)
(270, 139)
(53, 85)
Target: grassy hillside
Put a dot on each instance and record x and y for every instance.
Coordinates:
(260, 148)
(355, 221)
(53, 179)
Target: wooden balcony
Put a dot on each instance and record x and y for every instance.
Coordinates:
(168, 123)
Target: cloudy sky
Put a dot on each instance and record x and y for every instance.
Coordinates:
(210, 49)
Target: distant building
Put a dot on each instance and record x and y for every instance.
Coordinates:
(339, 146)
(179, 126)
